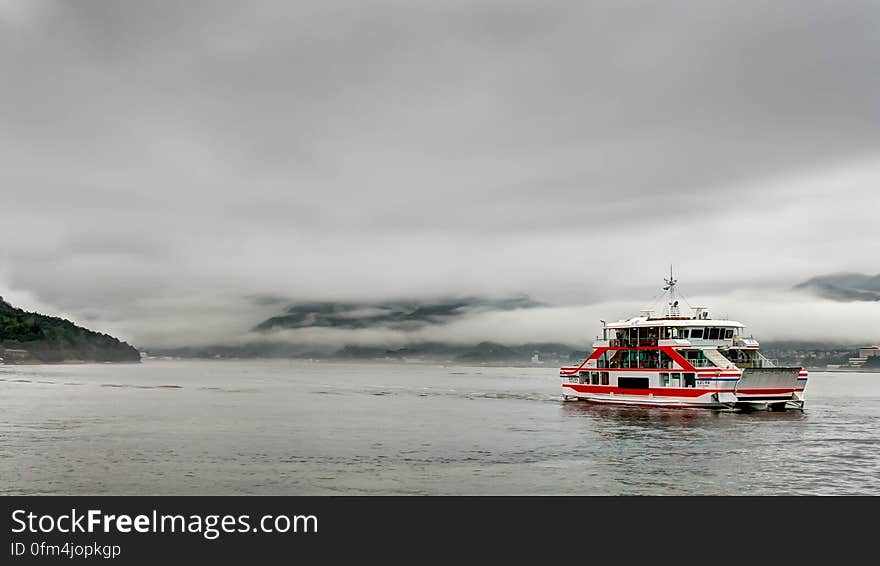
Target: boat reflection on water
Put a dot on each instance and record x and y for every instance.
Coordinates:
(631, 414)
(651, 417)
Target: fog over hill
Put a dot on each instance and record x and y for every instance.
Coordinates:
(404, 316)
(471, 329)
(844, 286)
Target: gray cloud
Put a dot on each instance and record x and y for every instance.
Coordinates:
(162, 164)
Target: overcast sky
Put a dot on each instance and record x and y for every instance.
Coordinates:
(163, 164)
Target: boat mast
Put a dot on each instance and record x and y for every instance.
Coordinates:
(672, 309)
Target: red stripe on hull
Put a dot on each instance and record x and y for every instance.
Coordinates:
(626, 403)
(669, 391)
(659, 391)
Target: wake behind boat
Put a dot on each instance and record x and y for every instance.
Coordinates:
(682, 361)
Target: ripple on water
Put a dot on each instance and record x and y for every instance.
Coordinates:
(423, 430)
(136, 386)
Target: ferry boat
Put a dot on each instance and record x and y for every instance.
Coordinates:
(682, 361)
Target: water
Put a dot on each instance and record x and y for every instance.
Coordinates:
(293, 427)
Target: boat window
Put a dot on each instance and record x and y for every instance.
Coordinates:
(614, 361)
(664, 379)
(686, 333)
(633, 382)
(713, 333)
(604, 378)
(696, 332)
(690, 380)
(594, 378)
(729, 333)
(676, 379)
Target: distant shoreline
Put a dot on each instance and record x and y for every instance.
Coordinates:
(847, 370)
(470, 363)
(64, 363)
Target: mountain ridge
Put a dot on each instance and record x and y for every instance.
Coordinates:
(30, 337)
(844, 286)
(395, 315)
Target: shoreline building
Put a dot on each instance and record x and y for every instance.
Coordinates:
(13, 355)
(864, 354)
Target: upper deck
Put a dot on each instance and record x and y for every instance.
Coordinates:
(677, 332)
(672, 322)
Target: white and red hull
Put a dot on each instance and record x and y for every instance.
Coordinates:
(716, 389)
(682, 361)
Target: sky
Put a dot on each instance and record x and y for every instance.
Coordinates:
(176, 172)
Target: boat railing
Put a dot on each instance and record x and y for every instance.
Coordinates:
(635, 364)
(642, 342)
(766, 362)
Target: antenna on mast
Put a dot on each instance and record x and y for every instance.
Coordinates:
(672, 307)
(670, 283)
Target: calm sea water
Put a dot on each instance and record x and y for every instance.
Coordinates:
(292, 427)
